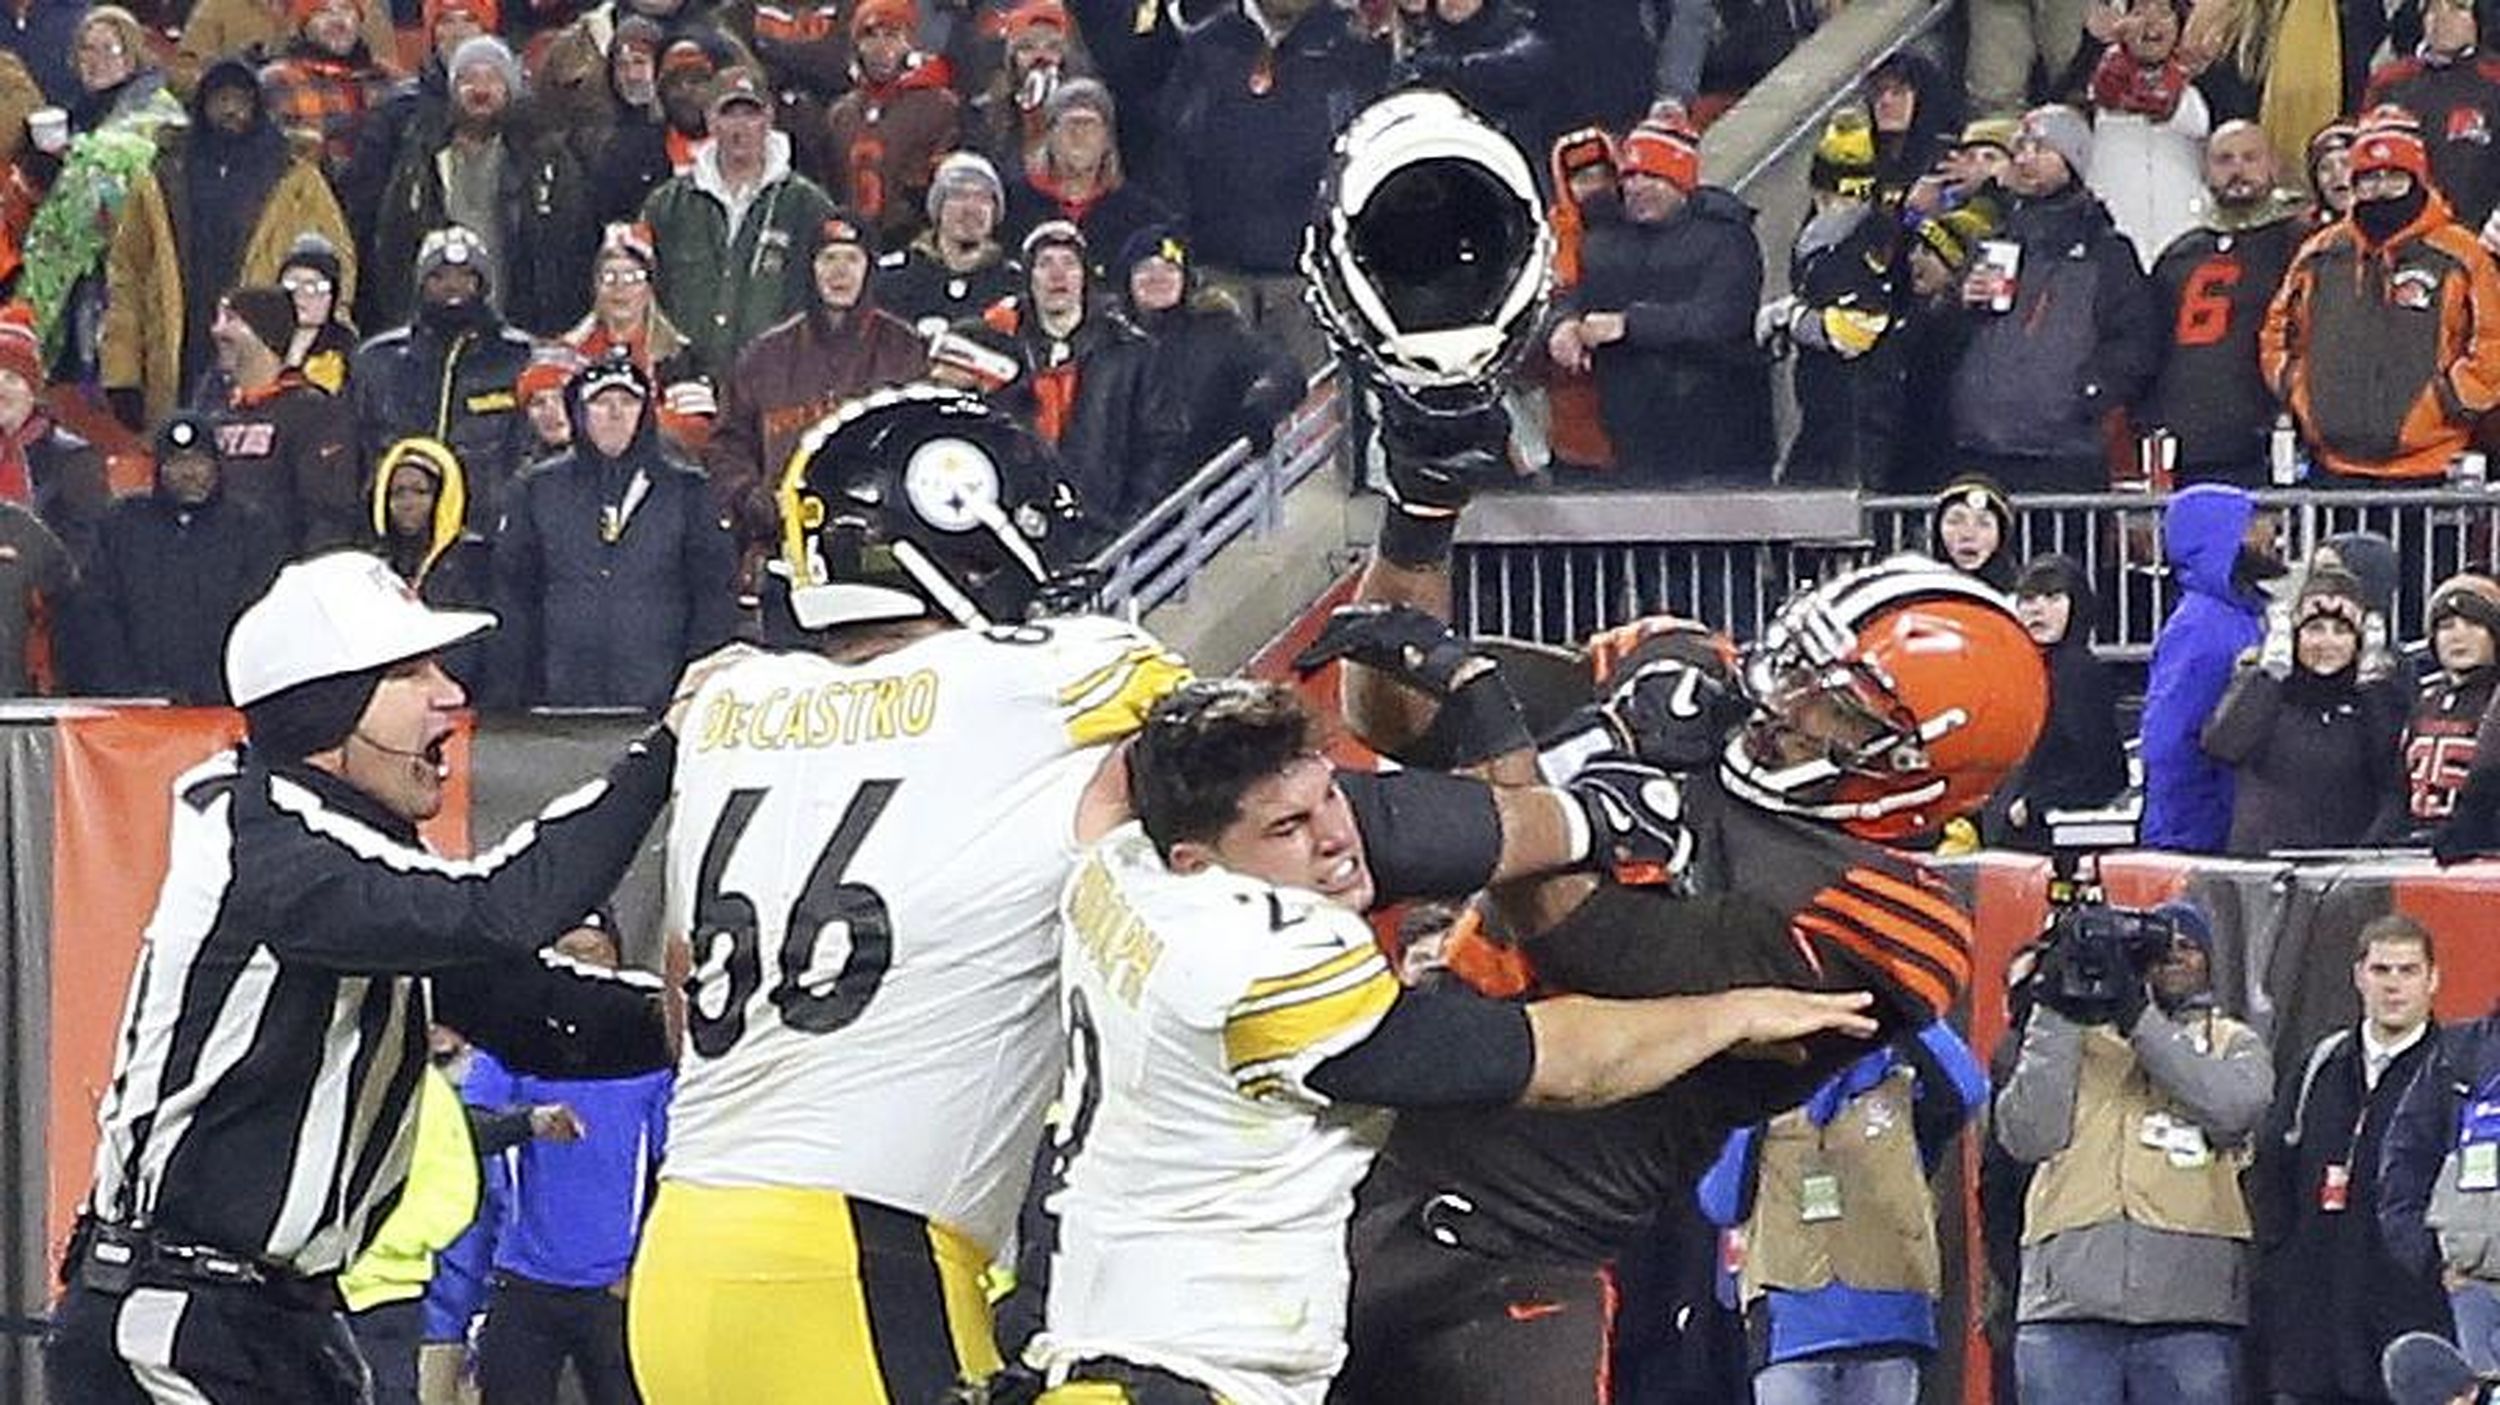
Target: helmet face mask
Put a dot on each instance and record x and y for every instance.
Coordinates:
(1889, 700)
(1430, 257)
(920, 501)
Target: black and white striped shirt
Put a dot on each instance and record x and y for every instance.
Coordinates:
(264, 1088)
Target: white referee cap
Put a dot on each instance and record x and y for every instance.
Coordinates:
(338, 613)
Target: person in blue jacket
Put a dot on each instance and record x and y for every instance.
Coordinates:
(1841, 1268)
(2219, 567)
(567, 1204)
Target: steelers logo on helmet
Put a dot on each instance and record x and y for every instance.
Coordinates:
(1888, 700)
(919, 501)
(1429, 257)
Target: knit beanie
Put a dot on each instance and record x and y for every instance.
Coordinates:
(494, 53)
(842, 227)
(268, 311)
(1844, 159)
(635, 240)
(638, 32)
(310, 250)
(2190, 921)
(1979, 490)
(2425, 1369)
(452, 246)
(2469, 596)
(550, 367)
(21, 351)
(487, 13)
(186, 432)
(889, 14)
(1657, 149)
(1998, 132)
(2065, 131)
(965, 170)
(1087, 93)
(2390, 139)
(298, 11)
(1050, 234)
(1954, 235)
(2330, 592)
(1152, 242)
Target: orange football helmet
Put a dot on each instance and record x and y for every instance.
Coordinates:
(1888, 700)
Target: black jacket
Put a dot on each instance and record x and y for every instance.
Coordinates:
(290, 451)
(167, 586)
(2458, 103)
(913, 283)
(1122, 436)
(2314, 760)
(1685, 396)
(606, 588)
(1848, 407)
(1228, 381)
(2081, 340)
(549, 238)
(1496, 63)
(450, 383)
(2080, 759)
(2330, 1296)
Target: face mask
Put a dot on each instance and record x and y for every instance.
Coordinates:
(2380, 219)
(465, 316)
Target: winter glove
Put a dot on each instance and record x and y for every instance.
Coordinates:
(1673, 714)
(2274, 658)
(1635, 816)
(1770, 324)
(1478, 718)
(1436, 462)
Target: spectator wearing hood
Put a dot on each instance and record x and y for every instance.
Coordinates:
(612, 568)
(173, 568)
(314, 277)
(2220, 556)
(257, 31)
(1229, 382)
(328, 79)
(2149, 125)
(1971, 529)
(801, 370)
(884, 137)
(1078, 177)
(2080, 762)
(2311, 738)
(221, 206)
(1664, 314)
(1489, 55)
(2385, 337)
(1583, 167)
(287, 446)
(489, 168)
(2214, 284)
(733, 231)
(2039, 382)
(44, 468)
(1090, 384)
(575, 72)
(1917, 114)
(1254, 102)
(2454, 89)
(419, 511)
(1844, 296)
(630, 149)
(956, 267)
(2440, 736)
(448, 375)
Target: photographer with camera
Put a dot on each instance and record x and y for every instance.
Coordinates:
(2135, 1096)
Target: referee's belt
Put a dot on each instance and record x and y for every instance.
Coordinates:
(117, 1259)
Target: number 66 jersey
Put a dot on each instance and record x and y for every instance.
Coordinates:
(866, 858)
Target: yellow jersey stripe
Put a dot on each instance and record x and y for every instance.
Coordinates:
(1336, 965)
(1288, 1030)
(1113, 701)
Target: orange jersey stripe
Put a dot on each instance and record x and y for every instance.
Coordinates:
(1948, 952)
(1920, 982)
(1935, 906)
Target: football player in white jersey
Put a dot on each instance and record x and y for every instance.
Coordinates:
(1234, 1034)
(870, 829)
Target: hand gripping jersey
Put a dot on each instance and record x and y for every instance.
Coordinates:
(1202, 1188)
(865, 856)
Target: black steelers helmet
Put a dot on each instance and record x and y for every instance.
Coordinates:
(921, 500)
(1429, 256)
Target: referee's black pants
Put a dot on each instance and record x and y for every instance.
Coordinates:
(218, 1343)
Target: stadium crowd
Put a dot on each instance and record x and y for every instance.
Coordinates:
(536, 303)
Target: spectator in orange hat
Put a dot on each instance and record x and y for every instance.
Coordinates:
(258, 31)
(887, 133)
(327, 80)
(1583, 165)
(540, 388)
(2397, 287)
(44, 468)
(1664, 315)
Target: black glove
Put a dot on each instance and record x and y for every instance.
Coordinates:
(1478, 718)
(1674, 714)
(1436, 462)
(2133, 997)
(1636, 820)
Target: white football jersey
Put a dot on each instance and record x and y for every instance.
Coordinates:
(865, 857)
(1202, 1188)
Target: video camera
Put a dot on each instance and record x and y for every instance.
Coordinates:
(2095, 958)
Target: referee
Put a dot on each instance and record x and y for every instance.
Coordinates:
(262, 1113)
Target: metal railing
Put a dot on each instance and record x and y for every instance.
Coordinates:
(1234, 493)
(1590, 573)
